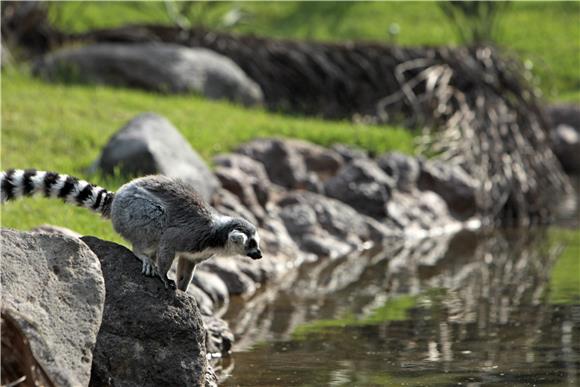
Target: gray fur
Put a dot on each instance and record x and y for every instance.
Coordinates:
(164, 218)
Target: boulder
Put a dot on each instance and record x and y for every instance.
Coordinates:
(566, 146)
(53, 287)
(150, 335)
(452, 184)
(362, 185)
(166, 68)
(150, 144)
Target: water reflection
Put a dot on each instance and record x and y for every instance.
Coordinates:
(472, 309)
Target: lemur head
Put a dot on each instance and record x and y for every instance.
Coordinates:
(243, 239)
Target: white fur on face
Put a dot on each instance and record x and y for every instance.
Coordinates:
(236, 242)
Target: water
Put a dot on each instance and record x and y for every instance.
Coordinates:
(475, 309)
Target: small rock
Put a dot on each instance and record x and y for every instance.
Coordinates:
(402, 168)
(349, 153)
(150, 144)
(453, 184)
(362, 185)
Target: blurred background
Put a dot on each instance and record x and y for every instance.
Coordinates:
(476, 103)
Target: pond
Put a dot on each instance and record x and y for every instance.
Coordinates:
(498, 308)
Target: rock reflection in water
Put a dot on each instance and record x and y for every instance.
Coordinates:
(470, 308)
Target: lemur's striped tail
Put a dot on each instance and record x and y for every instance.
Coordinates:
(18, 182)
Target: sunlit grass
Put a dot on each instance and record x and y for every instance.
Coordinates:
(64, 127)
(565, 276)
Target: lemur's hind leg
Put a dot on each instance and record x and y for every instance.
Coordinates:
(184, 273)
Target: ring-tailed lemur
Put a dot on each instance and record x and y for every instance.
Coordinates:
(161, 217)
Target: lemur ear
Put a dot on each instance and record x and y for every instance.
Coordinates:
(238, 237)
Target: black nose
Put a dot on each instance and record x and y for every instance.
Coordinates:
(256, 254)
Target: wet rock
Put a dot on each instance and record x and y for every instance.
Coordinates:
(205, 304)
(452, 184)
(150, 335)
(402, 168)
(150, 144)
(219, 338)
(566, 146)
(226, 268)
(165, 68)
(283, 163)
(420, 213)
(362, 185)
(212, 285)
(52, 285)
(51, 229)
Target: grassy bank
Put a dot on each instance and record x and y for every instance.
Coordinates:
(64, 127)
(544, 34)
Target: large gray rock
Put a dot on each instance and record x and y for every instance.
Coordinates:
(167, 68)
(53, 286)
(362, 185)
(150, 144)
(150, 335)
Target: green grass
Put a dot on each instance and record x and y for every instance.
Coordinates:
(394, 309)
(545, 34)
(64, 127)
(565, 275)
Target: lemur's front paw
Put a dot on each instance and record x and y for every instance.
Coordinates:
(149, 269)
(169, 284)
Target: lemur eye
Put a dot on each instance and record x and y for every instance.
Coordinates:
(252, 244)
